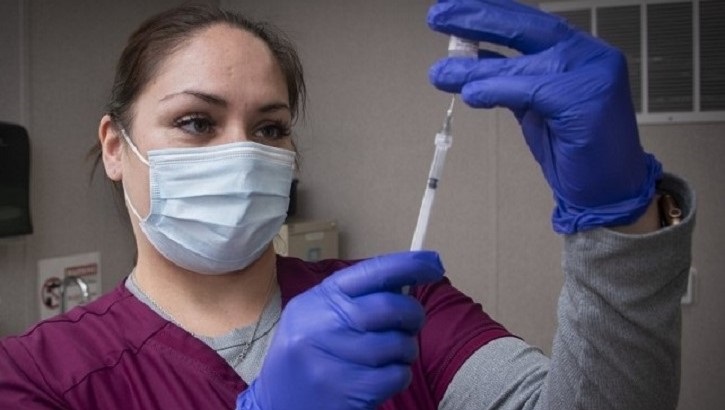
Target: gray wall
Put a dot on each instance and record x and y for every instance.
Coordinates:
(366, 145)
(55, 72)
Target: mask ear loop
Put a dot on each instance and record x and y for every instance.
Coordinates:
(131, 207)
(142, 159)
(133, 147)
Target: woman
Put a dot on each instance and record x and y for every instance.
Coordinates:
(197, 132)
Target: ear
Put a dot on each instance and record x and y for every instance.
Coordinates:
(112, 148)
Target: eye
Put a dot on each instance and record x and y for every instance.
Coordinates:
(195, 124)
(273, 131)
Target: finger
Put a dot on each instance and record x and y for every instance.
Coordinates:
(383, 311)
(519, 94)
(515, 93)
(507, 23)
(450, 74)
(388, 273)
(373, 349)
(383, 382)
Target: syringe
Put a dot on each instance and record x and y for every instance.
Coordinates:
(443, 141)
(457, 47)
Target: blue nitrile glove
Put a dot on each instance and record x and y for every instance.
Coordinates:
(348, 342)
(570, 93)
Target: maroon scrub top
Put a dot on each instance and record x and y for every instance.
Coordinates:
(117, 353)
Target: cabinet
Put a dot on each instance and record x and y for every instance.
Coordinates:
(308, 240)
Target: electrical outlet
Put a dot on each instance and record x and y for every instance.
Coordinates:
(689, 297)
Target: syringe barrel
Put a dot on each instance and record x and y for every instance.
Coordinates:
(439, 158)
(421, 227)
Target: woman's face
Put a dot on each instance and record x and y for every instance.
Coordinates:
(221, 86)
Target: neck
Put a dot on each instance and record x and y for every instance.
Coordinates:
(208, 305)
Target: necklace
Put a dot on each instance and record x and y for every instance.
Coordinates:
(246, 345)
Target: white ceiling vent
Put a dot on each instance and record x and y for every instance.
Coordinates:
(675, 50)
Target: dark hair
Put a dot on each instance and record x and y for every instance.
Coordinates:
(161, 35)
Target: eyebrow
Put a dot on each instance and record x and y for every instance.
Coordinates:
(219, 101)
(210, 98)
(277, 106)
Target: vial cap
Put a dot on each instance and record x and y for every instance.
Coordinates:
(460, 47)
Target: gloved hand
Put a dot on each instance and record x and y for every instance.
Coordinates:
(571, 96)
(348, 342)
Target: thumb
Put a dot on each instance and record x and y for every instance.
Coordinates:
(389, 273)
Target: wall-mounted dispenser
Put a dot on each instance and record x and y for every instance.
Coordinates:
(14, 181)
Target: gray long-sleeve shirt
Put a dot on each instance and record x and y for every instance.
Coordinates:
(617, 344)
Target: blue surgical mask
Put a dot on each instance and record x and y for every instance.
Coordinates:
(215, 209)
